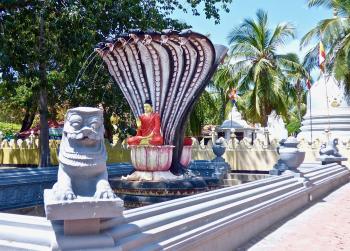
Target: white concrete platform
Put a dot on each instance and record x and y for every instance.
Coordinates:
(325, 225)
(222, 219)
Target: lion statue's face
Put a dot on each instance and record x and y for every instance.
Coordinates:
(83, 130)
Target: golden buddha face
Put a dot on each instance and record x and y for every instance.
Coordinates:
(148, 108)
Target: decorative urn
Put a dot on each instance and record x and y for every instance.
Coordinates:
(219, 149)
(290, 154)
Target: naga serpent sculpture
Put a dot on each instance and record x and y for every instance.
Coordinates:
(170, 68)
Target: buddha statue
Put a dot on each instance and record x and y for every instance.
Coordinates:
(148, 128)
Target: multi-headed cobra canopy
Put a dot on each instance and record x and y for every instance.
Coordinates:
(170, 68)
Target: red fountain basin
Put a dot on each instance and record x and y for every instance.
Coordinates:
(151, 158)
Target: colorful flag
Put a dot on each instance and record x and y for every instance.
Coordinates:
(321, 57)
(233, 95)
(308, 84)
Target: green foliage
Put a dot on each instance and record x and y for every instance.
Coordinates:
(294, 126)
(259, 69)
(335, 35)
(265, 79)
(223, 81)
(9, 129)
(71, 30)
(205, 112)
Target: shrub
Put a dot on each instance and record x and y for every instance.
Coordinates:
(9, 129)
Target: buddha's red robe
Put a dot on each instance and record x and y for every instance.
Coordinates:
(149, 123)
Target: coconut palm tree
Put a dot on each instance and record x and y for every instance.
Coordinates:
(335, 34)
(223, 82)
(204, 112)
(258, 66)
(296, 77)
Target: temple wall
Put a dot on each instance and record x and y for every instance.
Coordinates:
(26, 152)
(241, 155)
(246, 160)
(260, 156)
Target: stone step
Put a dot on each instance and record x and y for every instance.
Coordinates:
(232, 182)
(220, 227)
(197, 218)
(247, 177)
(332, 174)
(27, 233)
(212, 204)
(140, 213)
(314, 176)
(319, 167)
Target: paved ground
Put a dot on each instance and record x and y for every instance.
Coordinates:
(325, 226)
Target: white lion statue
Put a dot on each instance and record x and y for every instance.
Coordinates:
(82, 157)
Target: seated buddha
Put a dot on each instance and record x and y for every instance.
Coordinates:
(148, 128)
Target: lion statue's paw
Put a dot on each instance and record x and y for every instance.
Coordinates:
(105, 194)
(67, 195)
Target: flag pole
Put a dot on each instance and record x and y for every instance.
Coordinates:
(327, 100)
(322, 65)
(231, 113)
(310, 114)
(308, 85)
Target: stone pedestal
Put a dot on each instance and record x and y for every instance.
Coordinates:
(329, 152)
(330, 159)
(82, 215)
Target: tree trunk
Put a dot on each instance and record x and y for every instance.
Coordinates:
(28, 119)
(44, 127)
(299, 99)
(223, 106)
(108, 125)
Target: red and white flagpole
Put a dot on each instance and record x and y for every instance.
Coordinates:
(308, 84)
(322, 65)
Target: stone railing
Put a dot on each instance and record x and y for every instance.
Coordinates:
(24, 187)
(26, 152)
(312, 149)
(260, 156)
(240, 155)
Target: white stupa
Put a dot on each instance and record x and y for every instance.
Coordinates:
(334, 117)
(234, 121)
(276, 126)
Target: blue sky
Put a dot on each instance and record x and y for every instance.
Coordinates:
(294, 11)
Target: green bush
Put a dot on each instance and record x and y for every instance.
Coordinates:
(294, 127)
(8, 129)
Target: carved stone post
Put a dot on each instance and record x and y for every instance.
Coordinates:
(214, 135)
(267, 138)
(234, 141)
